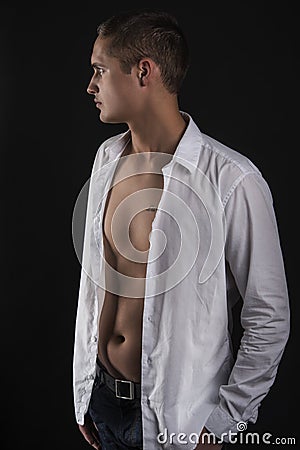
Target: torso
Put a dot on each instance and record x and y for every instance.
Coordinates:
(120, 326)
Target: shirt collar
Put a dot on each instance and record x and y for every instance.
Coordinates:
(187, 151)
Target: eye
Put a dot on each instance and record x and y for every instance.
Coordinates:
(100, 71)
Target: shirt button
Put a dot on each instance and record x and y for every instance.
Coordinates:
(94, 338)
(90, 377)
(149, 360)
(150, 318)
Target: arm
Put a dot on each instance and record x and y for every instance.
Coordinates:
(254, 255)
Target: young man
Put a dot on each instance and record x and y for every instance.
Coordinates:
(178, 228)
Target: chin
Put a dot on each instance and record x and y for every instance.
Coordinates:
(111, 118)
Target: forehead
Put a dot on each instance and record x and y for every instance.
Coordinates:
(99, 53)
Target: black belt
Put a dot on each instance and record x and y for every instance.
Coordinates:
(126, 389)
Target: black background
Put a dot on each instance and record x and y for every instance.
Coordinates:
(241, 90)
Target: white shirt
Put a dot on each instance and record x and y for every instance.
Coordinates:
(221, 243)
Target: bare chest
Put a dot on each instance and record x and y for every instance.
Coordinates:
(130, 209)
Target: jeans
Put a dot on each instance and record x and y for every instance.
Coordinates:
(118, 420)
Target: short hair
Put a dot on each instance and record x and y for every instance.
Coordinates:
(148, 34)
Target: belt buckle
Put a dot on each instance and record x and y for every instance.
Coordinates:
(131, 391)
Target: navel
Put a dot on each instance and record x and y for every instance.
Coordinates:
(121, 338)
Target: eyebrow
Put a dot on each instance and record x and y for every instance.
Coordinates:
(96, 65)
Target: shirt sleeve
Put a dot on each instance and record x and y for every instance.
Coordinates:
(254, 255)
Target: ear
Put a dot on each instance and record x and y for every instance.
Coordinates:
(144, 71)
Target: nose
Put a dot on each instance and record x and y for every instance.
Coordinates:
(92, 87)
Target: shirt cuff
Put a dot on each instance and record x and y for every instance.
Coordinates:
(222, 425)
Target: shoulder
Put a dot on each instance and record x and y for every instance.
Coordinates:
(227, 156)
(227, 168)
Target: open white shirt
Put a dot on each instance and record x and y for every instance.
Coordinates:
(214, 239)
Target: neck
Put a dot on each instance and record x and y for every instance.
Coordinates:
(158, 130)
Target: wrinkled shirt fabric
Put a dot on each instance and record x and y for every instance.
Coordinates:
(228, 248)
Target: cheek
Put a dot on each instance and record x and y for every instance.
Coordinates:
(123, 96)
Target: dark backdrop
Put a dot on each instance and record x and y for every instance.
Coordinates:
(241, 90)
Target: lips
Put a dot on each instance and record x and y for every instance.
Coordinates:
(98, 103)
